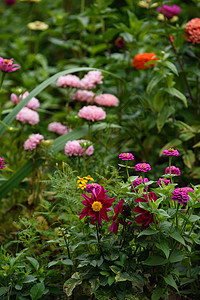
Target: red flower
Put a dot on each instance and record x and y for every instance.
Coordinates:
(145, 217)
(118, 218)
(141, 59)
(97, 206)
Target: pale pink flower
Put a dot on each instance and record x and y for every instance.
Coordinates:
(92, 113)
(106, 100)
(58, 128)
(91, 79)
(78, 148)
(68, 80)
(32, 104)
(27, 115)
(33, 141)
(82, 95)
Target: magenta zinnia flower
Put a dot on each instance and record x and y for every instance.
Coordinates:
(119, 217)
(10, 2)
(7, 66)
(142, 167)
(97, 206)
(126, 156)
(174, 171)
(2, 164)
(171, 152)
(165, 181)
(93, 188)
(181, 195)
(92, 113)
(145, 217)
(137, 182)
(169, 11)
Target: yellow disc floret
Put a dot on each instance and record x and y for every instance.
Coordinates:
(96, 206)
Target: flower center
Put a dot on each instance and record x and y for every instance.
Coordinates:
(7, 61)
(171, 149)
(96, 206)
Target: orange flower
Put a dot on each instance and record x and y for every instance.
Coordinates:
(141, 59)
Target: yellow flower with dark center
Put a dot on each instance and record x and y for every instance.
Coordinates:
(38, 25)
(96, 206)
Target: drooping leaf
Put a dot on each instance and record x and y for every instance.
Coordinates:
(170, 281)
(37, 291)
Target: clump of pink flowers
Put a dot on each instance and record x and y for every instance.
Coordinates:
(181, 195)
(58, 128)
(90, 80)
(79, 148)
(27, 115)
(92, 113)
(93, 188)
(107, 100)
(2, 164)
(171, 152)
(163, 180)
(192, 31)
(7, 66)
(174, 171)
(33, 141)
(32, 104)
(68, 80)
(169, 11)
(82, 95)
(143, 167)
(137, 182)
(126, 156)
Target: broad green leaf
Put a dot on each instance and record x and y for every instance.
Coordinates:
(111, 279)
(71, 283)
(95, 283)
(189, 158)
(34, 262)
(194, 218)
(162, 245)
(37, 291)
(171, 66)
(29, 278)
(177, 236)
(163, 115)
(157, 293)
(176, 256)
(170, 281)
(66, 261)
(148, 231)
(3, 290)
(174, 92)
(115, 269)
(152, 83)
(123, 277)
(155, 260)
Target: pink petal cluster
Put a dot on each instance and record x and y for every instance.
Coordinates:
(163, 180)
(93, 188)
(58, 128)
(169, 11)
(90, 80)
(32, 104)
(106, 100)
(126, 156)
(142, 167)
(192, 31)
(181, 195)
(7, 66)
(174, 171)
(33, 141)
(119, 217)
(92, 113)
(137, 182)
(68, 80)
(75, 148)
(171, 152)
(27, 115)
(82, 95)
(2, 164)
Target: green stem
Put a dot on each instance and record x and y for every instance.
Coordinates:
(127, 170)
(98, 238)
(82, 5)
(2, 79)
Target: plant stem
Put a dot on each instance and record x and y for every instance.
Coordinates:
(98, 238)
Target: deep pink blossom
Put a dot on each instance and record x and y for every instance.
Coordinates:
(137, 182)
(7, 66)
(171, 152)
(58, 128)
(174, 171)
(181, 195)
(10, 2)
(32, 104)
(106, 100)
(192, 31)
(27, 115)
(163, 180)
(97, 206)
(82, 95)
(169, 11)
(90, 80)
(120, 42)
(76, 148)
(33, 141)
(68, 80)
(92, 113)
(2, 164)
(93, 188)
(126, 156)
(119, 217)
(142, 167)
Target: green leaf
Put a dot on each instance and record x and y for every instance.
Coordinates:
(34, 262)
(174, 92)
(123, 277)
(171, 66)
(66, 261)
(164, 247)
(163, 115)
(95, 283)
(176, 256)
(97, 48)
(37, 291)
(115, 269)
(155, 260)
(111, 279)
(194, 218)
(170, 281)
(189, 158)
(29, 278)
(3, 290)
(152, 83)
(71, 283)
(148, 231)
(177, 236)
(157, 293)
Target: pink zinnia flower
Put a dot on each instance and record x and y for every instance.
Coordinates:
(9, 2)
(171, 152)
(119, 217)
(145, 217)
(58, 128)
(79, 148)
(174, 171)
(92, 113)
(27, 115)
(192, 31)
(97, 206)
(142, 167)
(7, 66)
(93, 188)
(137, 182)
(68, 80)
(32, 104)
(82, 95)
(106, 100)
(120, 42)
(2, 164)
(90, 80)
(163, 180)
(169, 11)
(33, 141)
(181, 195)
(126, 156)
